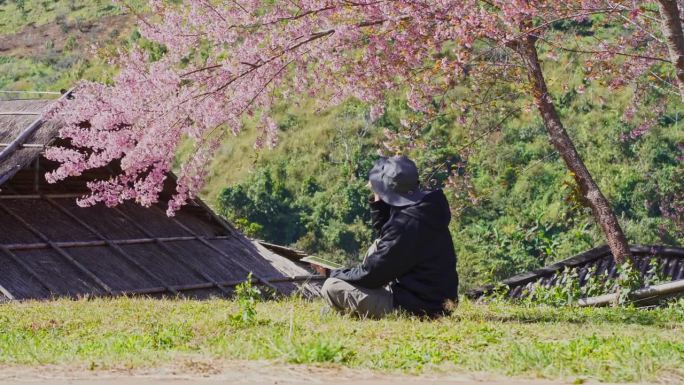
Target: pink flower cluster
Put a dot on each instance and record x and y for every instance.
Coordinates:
(228, 60)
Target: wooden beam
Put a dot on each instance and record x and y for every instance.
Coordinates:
(41, 196)
(112, 245)
(28, 131)
(6, 293)
(289, 253)
(31, 92)
(651, 293)
(25, 145)
(298, 278)
(58, 249)
(71, 244)
(198, 286)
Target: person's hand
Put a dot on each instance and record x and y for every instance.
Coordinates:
(320, 270)
(376, 197)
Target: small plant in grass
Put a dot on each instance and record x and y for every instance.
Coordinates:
(655, 274)
(628, 280)
(61, 20)
(247, 296)
(499, 292)
(320, 351)
(21, 6)
(677, 305)
(594, 284)
(566, 292)
(70, 43)
(170, 336)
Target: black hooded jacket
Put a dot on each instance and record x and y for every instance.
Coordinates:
(415, 255)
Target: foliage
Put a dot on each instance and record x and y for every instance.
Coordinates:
(611, 345)
(16, 14)
(677, 305)
(263, 207)
(331, 221)
(565, 288)
(628, 280)
(246, 296)
(566, 292)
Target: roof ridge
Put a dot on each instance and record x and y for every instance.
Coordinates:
(11, 159)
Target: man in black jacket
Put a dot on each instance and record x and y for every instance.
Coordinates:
(412, 265)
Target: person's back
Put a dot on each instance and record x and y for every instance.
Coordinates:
(412, 265)
(432, 281)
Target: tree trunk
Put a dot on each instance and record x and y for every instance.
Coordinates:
(672, 30)
(601, 208)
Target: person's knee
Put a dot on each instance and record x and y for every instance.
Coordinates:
(331, 287)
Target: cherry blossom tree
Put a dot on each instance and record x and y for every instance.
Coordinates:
(671, 21)
(230, 60)
(648, 55)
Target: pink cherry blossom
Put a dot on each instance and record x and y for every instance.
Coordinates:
(226, 62)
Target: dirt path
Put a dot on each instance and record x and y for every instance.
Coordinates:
(250, 373)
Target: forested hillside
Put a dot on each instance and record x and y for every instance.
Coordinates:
(515, 206)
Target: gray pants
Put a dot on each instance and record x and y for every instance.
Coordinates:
(348, 298)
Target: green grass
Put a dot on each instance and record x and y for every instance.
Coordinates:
(50, 73)
(45, 65)
(602, 344)
(15, 15)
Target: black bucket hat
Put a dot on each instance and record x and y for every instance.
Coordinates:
(395, 180)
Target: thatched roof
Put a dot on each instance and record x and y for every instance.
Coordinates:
(668, 263)
(15, 117)
(51, 247)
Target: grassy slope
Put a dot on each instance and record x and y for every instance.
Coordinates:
(237, 156)
(61, 41)
(309, 144)
(605, 344)
(14, 19)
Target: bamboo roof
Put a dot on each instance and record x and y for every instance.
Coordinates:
(51, 247)
(15, 117)
(665, 261)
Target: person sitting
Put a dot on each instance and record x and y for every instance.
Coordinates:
(412, 265)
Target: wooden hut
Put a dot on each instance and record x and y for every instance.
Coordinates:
(50, 247)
